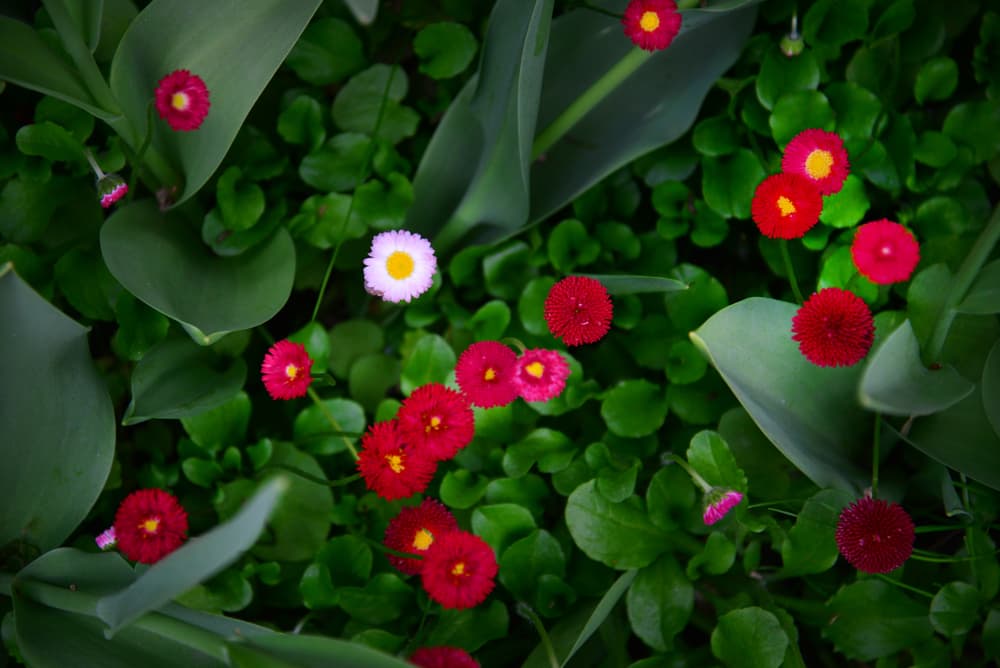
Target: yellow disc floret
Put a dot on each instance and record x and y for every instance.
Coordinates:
(395, 463)
(458, 568)
(422, 540)
(650, 21)
(291, 372)
(536, 369)
(490, 374)
(399, 265)
(180, 101)
(786, 205)
(819, 164)
(150, 525)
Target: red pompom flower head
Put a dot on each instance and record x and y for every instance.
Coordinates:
(390, 468)
(875, 536)
(458, 570)
(541, 374)
(485, 372)
(652, 24)
(285, 370)
(182, 100)
(834, 327)
(885, 252)
(718, 503)
(437, 421)
(819, 156)
(786, 206)
(578, 310)
(149, 525)
(414, 530)
(443, 657)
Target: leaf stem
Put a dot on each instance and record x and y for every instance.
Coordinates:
(525, 610)
(332, 420)
(790, 270)
(903, 585)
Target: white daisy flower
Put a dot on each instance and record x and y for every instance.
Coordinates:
(400, 266)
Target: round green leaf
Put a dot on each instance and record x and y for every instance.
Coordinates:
(445, 49)
(935, 149)
(857, 110)
(749, 638)
(502, 524)
(139, 327)
(716, 136)
(634, 408)
(226, 424)
(977, 126)
(780, 74)
(659, 602)
(302, 123)
(313, 427)
(798, 111)
(350, 340)
(810, 546)
(49, 141)
(327, 51)
(336, 166)
(728, 183)
(955, 609)
(569, 245)
(430, 361)
(524, 562)
(685, 363)
(848, 207)
(317, 344)
(832, 23)
(709, 455)
(381, 208)
(871, 618)
(371, 377)
(490, 321)
(356, 107)
(936, 80)
(839, 271)
(241, 205)
(670, 497)
(462, 489)
(381, 600)
(705, 295)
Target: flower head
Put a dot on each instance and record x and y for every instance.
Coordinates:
(834, 327)
(149, 525)
(414, 530)
(111, 188)
(285, 370)
(443, 657)
(390, 468)
(652, 24)
(182, 100)
(718, 503)
(819, 156)
(485, 372)
(875, 536)
(578, 310)
(437, 421)
(885, 252)
(786, 206)
(459, 569)
(540, 374)
(106, 540)
(400, 266)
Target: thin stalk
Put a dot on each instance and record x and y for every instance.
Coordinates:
(93, 163)
(934, 528)
(141, 153)
(701, 482)
(332, 420)
(550, 651)
(903, 585)
(790, 270)
(875, 454)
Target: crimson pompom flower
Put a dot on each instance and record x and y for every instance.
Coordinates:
(834, 327)
(719, 503)
(786, 206)
(458, 570)
(885, 252)
(437, 421)
(149, 525)
(652, 24)
(182, 100)
(414, 530)
(485, 372)
(443, 657)
(819, 156)
(541, 374)
(875, 536)
(390, 468)
(285, 370)
(578, 310)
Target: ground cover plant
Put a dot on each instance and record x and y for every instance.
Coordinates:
(513, 333)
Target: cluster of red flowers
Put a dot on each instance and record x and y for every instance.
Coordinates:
(651, 24)
(491, 374)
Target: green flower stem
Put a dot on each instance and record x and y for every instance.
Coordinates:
(382, 547)
(875, 454)
(93, 164)
(790, 270)
(589, 99)
(141, 153)
(80, 54)
(525, 611)
(332, 420)
(903, 585)
(705, 487)
(934, 528)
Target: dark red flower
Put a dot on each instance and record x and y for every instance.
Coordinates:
(885, 252)
(652, 24)
(392, 469)
(485, 372)
(443, 657)
(578, 310)
(414, 530)
(834, 328)
(182, 100)
(541, 374)
(875, 536)
(285, 370)
(786, 206)
(819, 156)
(437, 421)
(459, 569)
(149, 525)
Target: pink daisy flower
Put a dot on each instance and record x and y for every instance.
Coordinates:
(540, 375)
(182, 100)
(285, 370)
(485, 372)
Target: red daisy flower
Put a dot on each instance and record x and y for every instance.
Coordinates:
(786, 206)
(578, 310)
(459, 569)
(834, 328)
(111, 188)
(149, 525)
(182, 100)
(437, 421)
(885, 252)
(652, 24)
(541, 374)
(875, 536)
(485, 372)
(390, 468)
(719, 503)
(819, 156)
(285, 370)
(414, 530)
(443, 657)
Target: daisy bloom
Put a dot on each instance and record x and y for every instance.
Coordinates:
(182, 100)
(459, 569)
(414, 530)
(652, 24)
(718, 503)
(485, 372)
(819, 156)
(400, 266)
(111, 188)
(885, 252)
(285, 370)
(786, 206)
(875, 536)
(443, 657)
(834, 327)
(390, 469)
(149, 525)
(437, 421)
(540, 374)
(578, 310)
(106, 540)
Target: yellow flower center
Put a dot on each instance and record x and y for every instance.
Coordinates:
(650, 21)
(180, 101)
(422, 540)
(786, 205)
(819, 164)
(886, 250)
(490, 374)
(434, 423)
(536, 369)
(458, 569)
(150, 525)
(399, 265)
(291, 372)
(395, 462)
